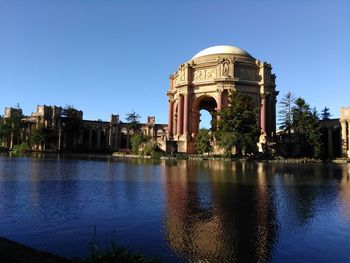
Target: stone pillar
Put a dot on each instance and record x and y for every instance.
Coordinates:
(219, 101)
(185, 127)
(179, 116)
(343, 138)
(170, 118)
(116, 138)
(90, 139)
(98, 138)
(263, 113)
(330, 141)
(110, 138)
(348, 153)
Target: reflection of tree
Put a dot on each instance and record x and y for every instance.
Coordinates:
(239, 224)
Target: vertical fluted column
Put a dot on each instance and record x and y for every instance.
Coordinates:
(343, 138)
(179, 115)
(185, 128)
(348, 152)
(219, 101)
(170, 118)
(263, 113)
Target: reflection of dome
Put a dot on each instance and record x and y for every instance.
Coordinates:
(221, 50)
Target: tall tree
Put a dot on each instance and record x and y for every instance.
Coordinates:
(306, 126)
(133, 120)
(203, 141)
(73, 125)
(285, 113)
(41, 136)
(325, 114)
(237, 125)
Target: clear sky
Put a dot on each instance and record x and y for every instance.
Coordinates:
(107, 56)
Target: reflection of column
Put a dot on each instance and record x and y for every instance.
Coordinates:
(90, 138)
(330, 141)
(343, 138)
(185, 128)
(98, 138)
(179, 115)
(262, 113)
(170, 117)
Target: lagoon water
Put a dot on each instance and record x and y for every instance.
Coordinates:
(178, 211)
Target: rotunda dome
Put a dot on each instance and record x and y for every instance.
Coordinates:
(221, 50)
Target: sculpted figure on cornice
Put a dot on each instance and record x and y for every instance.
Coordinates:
(225, 67)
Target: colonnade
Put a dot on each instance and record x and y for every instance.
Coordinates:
(345, 137)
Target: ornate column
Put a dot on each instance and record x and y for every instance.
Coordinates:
(179, 116)
(185, 127)
(219, 101)
(170, 118)
(116, 139)
(110, 138)
(348, 152)
(263, 113)
(330, 141)
(343, 138)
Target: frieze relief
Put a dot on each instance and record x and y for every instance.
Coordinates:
(204, 74)
(247, 74)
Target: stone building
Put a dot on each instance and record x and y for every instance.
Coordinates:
(87, 136)
(206, 82)
(345, 131)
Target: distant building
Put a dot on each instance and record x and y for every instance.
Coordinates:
(89, 136)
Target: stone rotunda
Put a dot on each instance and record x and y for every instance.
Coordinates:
(206, 82)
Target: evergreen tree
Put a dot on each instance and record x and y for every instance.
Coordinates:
(237, 126)
(41, 136)
(306, 126)
(133, 121)
(285, 113)
(325, 114)
(203, 141)
(72, 124)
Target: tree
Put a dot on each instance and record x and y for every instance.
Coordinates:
(306, 126)
(285, 114)
(325, 114)
(72, 125)
(10, 129)
(138, 140)
(41, 136)
(237, 125)
(203, 141)
(133, 121)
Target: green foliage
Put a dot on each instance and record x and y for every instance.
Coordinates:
(41, 135)
(285, 113)
(20, 148)
(133, 121)
(306, 126)
(151, 149)
(237, 126)
(137, 142)
(114, 254)
(72, 124)
(10, 126)
(203, 141)
(325, 114)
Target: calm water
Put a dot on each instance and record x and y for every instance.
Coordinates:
(178, 211)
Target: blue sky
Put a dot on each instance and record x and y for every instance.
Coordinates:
(109, 56)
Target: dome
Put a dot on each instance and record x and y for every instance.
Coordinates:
(221, 50)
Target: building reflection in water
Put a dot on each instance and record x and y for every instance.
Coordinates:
(220, 212)
(345, 192)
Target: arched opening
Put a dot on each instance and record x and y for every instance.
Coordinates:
(204, 109)
(205, 119)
